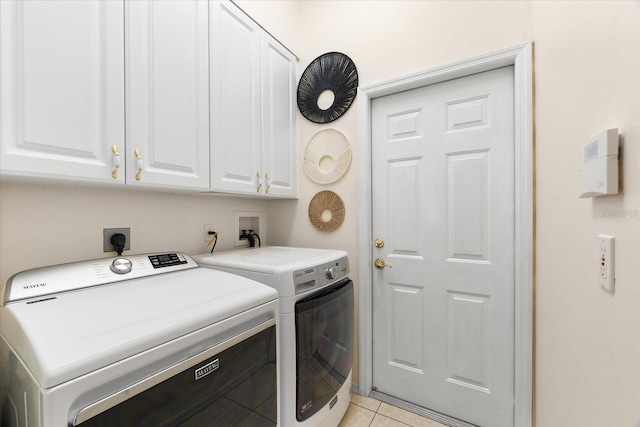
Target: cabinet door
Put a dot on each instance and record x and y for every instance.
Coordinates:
(235, 100)
(279, 157)
(168, 94)
(62, 85)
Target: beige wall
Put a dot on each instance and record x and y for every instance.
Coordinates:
(587, 75)
(385, 39)
(51, 224)
(587, 79)
(587, 66)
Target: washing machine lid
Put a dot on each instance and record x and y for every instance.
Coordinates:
(271, 259)
(65, 335)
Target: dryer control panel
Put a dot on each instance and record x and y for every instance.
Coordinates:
(167, 260)
(78, 275)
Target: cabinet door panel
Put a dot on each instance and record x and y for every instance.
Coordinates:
(167, 93)
(62, 85)
(235, 100)
(278, 118)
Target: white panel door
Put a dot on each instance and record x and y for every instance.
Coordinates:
(62, 85)
(443, 197)
(168, 93)
(235, 101)
(278, 118)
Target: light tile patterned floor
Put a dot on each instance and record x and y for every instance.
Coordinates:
(369, 412)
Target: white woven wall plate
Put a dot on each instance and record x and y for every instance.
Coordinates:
(327, 156)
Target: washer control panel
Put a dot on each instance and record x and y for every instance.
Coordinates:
(333, 271)
(320, 275)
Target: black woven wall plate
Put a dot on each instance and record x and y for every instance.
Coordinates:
(332, 71)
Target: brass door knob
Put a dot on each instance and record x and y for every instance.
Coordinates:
(381, 264)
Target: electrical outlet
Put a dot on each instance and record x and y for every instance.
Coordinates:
(207, 229)
(106, 238)
(606, 261)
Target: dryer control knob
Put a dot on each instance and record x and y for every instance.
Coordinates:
(121, 266)
(332, 272)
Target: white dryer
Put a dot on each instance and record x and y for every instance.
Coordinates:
(315, 330)
(144, 340)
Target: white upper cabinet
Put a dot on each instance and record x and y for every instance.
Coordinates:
(167, 93)
(252, 107)
(236, 153)
(278, 118)
(62, 86)
(176, 94)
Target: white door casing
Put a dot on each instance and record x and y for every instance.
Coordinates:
(520, 58)
(443, 189)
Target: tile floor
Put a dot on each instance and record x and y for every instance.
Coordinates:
(369, 412)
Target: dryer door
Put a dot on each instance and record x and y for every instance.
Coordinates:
(219, 387)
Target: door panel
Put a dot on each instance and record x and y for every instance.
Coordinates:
(167, 93)
(278, 118)
(404, 193)
(407, 310)
(467, 336)
(467, 114)
(62, 104)
(467, 206)
(443, 192)
(236, 154)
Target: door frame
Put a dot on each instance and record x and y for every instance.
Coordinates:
(521, 57)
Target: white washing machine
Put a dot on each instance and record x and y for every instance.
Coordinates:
(144, 340)
(315, 330)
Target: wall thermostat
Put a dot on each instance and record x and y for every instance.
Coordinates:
(599, 171)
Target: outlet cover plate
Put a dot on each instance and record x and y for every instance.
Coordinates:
(606, 262)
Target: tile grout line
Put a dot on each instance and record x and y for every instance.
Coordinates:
(377, 412)
(398, 421)
(389, 416)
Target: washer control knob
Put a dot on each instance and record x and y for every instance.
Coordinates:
(121, 266)
(332, 272)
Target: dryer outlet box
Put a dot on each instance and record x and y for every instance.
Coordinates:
(106, 238)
